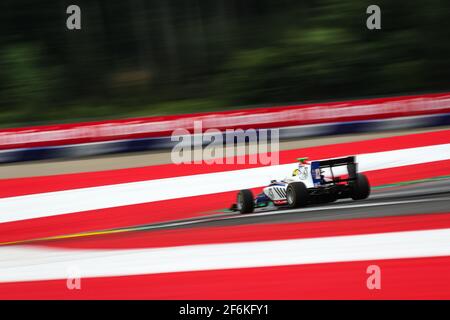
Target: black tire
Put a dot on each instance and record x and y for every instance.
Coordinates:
(360, 187)
(245, 202)
(297, 195)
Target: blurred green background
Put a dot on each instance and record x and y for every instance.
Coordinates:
(138, 57)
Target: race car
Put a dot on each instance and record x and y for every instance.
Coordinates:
(312, 182)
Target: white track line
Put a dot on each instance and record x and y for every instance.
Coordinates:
(109, 196)
(23, 263)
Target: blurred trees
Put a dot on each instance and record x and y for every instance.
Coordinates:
(141, 57)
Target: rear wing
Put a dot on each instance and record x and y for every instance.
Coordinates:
(318, 166)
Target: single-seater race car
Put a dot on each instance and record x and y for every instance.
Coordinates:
(311, 182)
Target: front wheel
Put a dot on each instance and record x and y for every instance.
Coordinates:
(245, 202)
(360, 187)
(297, 195)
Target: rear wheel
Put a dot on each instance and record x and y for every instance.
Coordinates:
(297, 195)
(360, 187)
(245, 201)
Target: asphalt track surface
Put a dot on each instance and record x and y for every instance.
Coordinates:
(417, 198)
(412, 198)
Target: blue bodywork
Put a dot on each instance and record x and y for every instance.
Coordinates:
(262, 200)
(315, 173)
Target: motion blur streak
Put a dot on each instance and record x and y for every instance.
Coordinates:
(81, 109)
(41, 184)
(44, 264)
(417, 278)
(249, 232)
(152, 212)
(77, 200)
(403, 227)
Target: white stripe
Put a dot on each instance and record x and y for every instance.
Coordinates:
(77, 200)
(21, 263)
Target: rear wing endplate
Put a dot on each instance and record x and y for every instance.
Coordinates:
(331, 163)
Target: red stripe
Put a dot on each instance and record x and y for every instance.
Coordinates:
(408, 173)
(174, 209)
(23, 186)
(419, 278)
(114, 217)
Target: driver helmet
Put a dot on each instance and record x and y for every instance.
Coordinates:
(301, 163)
